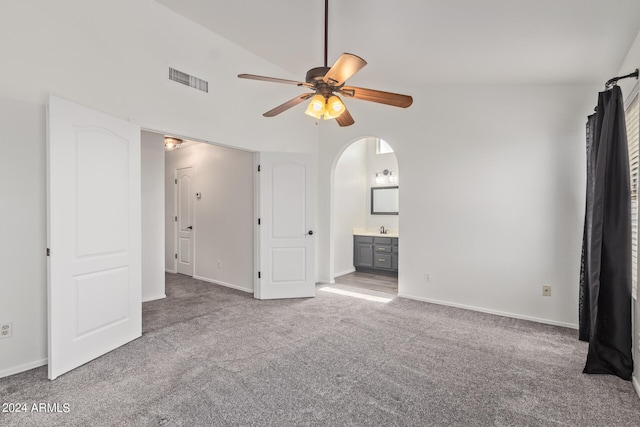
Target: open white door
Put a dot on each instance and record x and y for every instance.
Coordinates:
(287, 219)
(94, 223)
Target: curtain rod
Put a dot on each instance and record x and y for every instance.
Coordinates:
(611, 82)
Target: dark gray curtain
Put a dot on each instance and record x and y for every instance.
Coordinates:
(605, 276)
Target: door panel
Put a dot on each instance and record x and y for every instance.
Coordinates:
(101, 174)
(102, 299)
(287, 257)
(185, 216)
(365, 255)
(288, 185)
(93, 231)
(184, 252)
(288, 265)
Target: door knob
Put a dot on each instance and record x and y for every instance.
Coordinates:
(190, 227)
(310, 232)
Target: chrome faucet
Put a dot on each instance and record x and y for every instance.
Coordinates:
(382, 230)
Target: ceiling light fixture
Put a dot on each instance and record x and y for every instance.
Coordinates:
(171, 143)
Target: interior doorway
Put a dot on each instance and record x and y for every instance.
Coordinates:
(365, 216)
(209, 213)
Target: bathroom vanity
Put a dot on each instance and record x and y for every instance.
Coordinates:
(375, 253)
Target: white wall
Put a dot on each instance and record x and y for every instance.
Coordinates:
(23, 262)
(492, 194)
(349, 203)
(75, 49)
(223, 216)
(630, 63)
(152, 216)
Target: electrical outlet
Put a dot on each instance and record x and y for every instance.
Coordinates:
(219, 264)
(427, 277)
(546, 290)
(6, 329)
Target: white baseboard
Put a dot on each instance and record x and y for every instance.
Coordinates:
(153, 298)
(636, 384)
(21, 368)
(168, 270)
(228, 285)
(489, 311)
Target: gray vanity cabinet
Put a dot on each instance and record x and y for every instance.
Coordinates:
(377, 253)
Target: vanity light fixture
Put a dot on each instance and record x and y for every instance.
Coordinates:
(385, 177)
(171, 143)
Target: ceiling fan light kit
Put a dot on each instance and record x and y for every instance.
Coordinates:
(321, 107)
(327, 82)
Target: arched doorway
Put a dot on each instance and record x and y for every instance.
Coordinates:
(366, 168)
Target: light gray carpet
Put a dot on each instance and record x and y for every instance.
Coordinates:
(214, 356)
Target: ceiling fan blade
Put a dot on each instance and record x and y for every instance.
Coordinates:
(346, 66)
(345, 118)
(389, 98)
(274, 80)
(291, 103)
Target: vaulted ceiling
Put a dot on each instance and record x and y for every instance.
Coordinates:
(428, 42)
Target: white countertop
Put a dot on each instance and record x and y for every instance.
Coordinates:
(375, 233)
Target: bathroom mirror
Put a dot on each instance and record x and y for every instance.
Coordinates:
(384, 200)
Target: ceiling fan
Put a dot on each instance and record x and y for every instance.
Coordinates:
(327, 83)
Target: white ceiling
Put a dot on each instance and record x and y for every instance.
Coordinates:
(428, 42)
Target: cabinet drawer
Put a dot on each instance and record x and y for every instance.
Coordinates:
(382, 261)
(363, 239)
(382, 240)
(382, 249)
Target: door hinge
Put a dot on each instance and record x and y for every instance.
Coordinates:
(176, 256)
(48, 252)
(258, 168)
(259, 277)
(175, 218)
(175, 181)
(258, 221)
